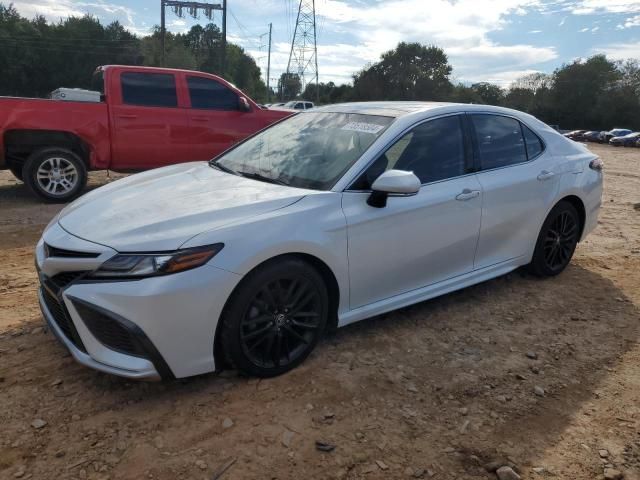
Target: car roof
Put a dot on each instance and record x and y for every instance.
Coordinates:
(401, 108)
(387, 109)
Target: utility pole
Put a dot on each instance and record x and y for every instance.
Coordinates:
(193, 8)
(303, 58)
(269, 65)
(224, 36)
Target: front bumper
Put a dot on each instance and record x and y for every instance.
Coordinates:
(159, 327)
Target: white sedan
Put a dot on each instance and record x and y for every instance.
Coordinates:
(326, 218)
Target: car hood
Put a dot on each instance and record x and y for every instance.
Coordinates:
(161, 209)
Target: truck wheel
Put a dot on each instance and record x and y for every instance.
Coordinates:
(16, 170)
(56, 175)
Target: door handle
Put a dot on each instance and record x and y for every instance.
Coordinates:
(545, 175)
(127, 116)
(467, 194)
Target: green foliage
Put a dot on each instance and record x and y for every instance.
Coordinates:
(289, 86)
(37, 57)
(410, 72)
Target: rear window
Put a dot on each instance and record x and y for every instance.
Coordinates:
(532, 142)
(149, 89)
(208, 94)
(500, 141)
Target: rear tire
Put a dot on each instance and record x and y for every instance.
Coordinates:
(557, 241)
(56, 175)
(274, 318)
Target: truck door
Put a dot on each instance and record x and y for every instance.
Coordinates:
(148, 126)
(216, 119)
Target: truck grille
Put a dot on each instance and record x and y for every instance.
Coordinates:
(61, 317)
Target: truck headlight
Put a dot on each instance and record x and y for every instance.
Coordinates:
(141, 265)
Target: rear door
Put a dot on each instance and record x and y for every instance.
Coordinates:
(215, 117)
(519, 182)
(149, 128)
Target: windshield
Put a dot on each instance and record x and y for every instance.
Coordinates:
(310, 150)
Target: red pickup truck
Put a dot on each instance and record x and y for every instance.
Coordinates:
(147, 118)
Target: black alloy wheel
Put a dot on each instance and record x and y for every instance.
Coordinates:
(275, 318)
(557, 241)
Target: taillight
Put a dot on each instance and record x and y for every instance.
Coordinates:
(596, 164)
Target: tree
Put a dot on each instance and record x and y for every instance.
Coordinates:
(410, 72)
(289, 86)
(576, 89)
(488, 93)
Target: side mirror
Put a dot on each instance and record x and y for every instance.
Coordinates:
(243, 103)
(393, 182)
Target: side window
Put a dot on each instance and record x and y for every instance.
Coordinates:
(149, 89)
(208, 94)
(433, 151)
(500, 141)
(299, 106)
(532, 142)
(308, 105)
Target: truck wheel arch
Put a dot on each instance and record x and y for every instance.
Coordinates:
(20, 144)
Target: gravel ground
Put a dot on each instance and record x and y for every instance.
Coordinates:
(542, 376)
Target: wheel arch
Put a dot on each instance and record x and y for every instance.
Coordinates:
(578, 204)
(19, 144)
(315, 262)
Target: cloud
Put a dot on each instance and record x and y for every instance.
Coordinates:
(590, 7)
(461, 28)
(630, 22)
(620, 51)
(56, 10)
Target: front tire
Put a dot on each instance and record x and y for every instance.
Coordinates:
(56, 175)
(274, 318)
(557, 241)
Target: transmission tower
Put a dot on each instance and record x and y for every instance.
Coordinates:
(303, 58)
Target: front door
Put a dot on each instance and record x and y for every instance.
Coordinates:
(419, 240)
(215, 117)
(149, 128)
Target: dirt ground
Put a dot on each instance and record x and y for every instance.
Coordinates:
(439, 389)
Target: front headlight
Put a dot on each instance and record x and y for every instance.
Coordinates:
(134, 265)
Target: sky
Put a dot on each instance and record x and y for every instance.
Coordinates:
(486, 40)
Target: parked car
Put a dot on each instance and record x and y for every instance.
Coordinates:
(298, 105)
(616, 132)
(626, 140)
(593, 136)
(324, 219)
(149, 118)
(576, 135)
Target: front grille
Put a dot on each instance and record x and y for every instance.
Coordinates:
(110, 332)
(61, 317)
(61, 280)
(62, 253)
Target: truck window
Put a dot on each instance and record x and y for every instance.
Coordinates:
(149, 89)
(208, 94)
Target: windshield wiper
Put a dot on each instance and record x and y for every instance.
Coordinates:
(262, 178)
(215, 164)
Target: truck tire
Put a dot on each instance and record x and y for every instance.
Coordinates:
(17, 171)
(55, 174)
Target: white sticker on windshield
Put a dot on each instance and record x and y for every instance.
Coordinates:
(363, 127)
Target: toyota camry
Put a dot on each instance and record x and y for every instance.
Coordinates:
(324, 219)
